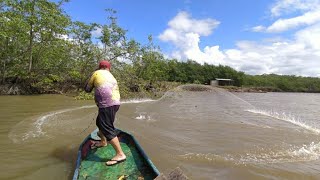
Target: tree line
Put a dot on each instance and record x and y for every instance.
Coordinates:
(43, 48)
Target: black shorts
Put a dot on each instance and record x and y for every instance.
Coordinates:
(105, 120)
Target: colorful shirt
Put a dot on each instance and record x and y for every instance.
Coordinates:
(106, 88)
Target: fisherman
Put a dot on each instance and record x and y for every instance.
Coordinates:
(107, 98)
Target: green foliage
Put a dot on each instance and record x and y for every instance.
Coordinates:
(30, 31)
(40, 45)
(283, 83)
(75, 75)
(84, 96)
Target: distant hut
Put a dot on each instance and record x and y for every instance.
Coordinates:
(221, 82)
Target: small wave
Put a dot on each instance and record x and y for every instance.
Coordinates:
(141, 117)
(309, 152)
(295, 154)
(207, 158)
(134, 101)
(37, 125)
(286, 117)
(41, 120)
(145, 117)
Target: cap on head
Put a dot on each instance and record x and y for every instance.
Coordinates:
(104, 64)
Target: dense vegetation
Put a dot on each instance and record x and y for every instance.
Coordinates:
(42, 50)
(273, 82)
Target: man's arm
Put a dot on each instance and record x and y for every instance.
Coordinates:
(89, 84)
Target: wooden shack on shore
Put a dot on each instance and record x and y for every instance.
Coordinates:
(221, 82)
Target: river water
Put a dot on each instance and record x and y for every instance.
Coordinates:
(209, 135)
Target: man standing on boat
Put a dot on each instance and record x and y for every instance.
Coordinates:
(107, 98)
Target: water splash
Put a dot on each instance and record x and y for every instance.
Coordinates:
(169, 95)
(37, 131)
(287, 118)
(227, 93)
(143, 117)
(312, 151)
(135, 101)
(309, 152)
(305, 153)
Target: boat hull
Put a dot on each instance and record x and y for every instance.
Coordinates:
(91, 163)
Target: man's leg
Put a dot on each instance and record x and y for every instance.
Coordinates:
(120, 156)
(103, 142)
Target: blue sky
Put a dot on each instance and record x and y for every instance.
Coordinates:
(254, 36)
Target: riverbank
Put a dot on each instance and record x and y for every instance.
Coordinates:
(143, 90)
(250, 89)
(263, 89)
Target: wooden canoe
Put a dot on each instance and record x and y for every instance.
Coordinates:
(91, 163)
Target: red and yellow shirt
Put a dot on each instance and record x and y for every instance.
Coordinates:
(106, 88)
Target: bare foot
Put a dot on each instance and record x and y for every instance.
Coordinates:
(99, 144)
(116, 160)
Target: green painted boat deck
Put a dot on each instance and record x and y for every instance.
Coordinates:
(93, 166)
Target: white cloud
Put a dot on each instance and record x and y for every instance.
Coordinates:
(281, 25)
(97, 32)
(310, 37)
(281, 7)
(294, 57)
(297, 56)
(258, 28)
(65, 37)
(184, 32)
(303, 13)
(182, 24)
(279, 57)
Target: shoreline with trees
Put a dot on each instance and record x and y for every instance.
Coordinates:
(43, 51)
